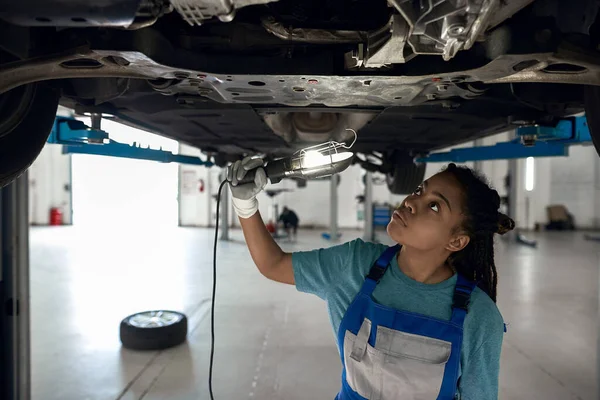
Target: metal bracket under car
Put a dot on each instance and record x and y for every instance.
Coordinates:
(307, 89)
(432, 28)
(78, 138)
(531, 141)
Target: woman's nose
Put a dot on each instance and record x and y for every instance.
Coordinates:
(409, 205)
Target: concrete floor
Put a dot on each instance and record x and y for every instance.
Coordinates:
(272, 342)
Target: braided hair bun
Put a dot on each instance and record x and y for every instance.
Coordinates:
(505, 224)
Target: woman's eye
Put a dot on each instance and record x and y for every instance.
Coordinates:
(435, 207)
(418, 191)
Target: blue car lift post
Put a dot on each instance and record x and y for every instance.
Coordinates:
(530, 141)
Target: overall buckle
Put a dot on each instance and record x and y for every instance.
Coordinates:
(461, 300)
(376, 273)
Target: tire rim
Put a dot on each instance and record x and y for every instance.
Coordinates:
(154, 319)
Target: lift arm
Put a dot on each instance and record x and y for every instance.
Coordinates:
(531, 141)
(78, 138)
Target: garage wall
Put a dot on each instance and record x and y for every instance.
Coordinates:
(195, 190)
(574, 183)
(198, 208)
(50, 185)
(198, 189)
(111, 191)
(312, 202)
(531, 205)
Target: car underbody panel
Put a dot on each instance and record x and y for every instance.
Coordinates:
(241, 128)
(419, 129)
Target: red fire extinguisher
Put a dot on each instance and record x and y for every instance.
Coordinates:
(56, 216)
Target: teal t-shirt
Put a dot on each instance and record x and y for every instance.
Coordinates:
(336, 274)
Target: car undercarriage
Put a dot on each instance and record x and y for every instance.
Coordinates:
(237, 77)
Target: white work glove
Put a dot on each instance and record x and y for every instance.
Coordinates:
(244, 195)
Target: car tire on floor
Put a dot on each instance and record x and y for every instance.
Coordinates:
(26, 118)
(153, 330)
(592, 113)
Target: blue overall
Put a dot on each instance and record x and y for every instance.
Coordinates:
(390, 354)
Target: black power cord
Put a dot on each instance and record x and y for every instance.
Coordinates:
(214, 292)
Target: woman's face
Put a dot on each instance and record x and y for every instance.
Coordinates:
(426, 220)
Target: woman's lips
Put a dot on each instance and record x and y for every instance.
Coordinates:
(398, 215)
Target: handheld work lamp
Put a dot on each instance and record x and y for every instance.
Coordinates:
(310, 163)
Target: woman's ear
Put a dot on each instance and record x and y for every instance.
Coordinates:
(458, 242)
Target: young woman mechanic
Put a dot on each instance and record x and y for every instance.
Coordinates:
(413, 321)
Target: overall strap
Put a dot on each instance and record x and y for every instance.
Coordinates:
(462, 297)
(378, 269)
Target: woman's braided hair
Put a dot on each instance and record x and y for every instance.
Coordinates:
(481, 221)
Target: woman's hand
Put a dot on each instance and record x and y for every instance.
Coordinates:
(244, 195)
